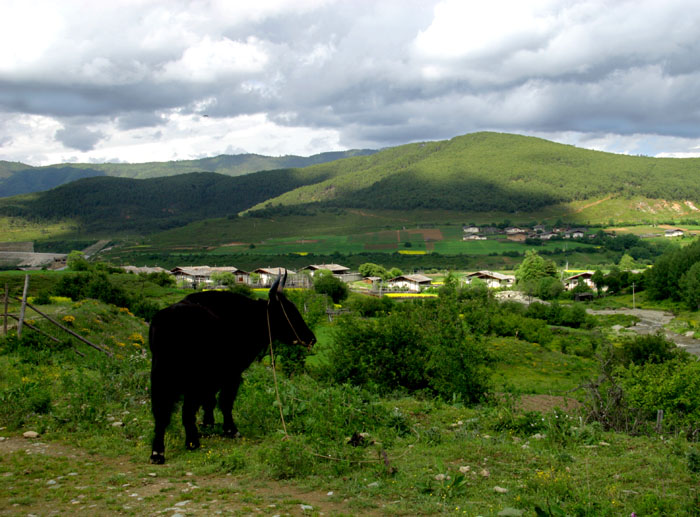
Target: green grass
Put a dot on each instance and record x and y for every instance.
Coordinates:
(524, 367)
(409, 463)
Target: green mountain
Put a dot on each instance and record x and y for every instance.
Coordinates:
(480, 173)
(18, 178)
(106, 205)
(483, 172)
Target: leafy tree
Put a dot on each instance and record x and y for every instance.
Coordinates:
(394, 272)
(549, 288)
(598, 280)
(534, 267)
(330, 285)
(626, 262)
(76, 261)
(225, 278)
(371, 269)
(690, 287)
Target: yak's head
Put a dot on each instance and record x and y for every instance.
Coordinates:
(286, 323)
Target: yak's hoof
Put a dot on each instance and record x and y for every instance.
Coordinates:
(157, 458)
(192, 445)
(232, 433)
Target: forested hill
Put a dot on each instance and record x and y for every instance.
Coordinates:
(480, 172)
(118, 205)
(18, 178)
(493, 171)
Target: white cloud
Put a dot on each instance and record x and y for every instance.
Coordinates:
(209, 61)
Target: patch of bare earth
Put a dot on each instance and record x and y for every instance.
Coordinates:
(546, 403)
(430, 234)
(52, 478)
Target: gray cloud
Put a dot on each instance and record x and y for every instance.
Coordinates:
(377, 73)
(79, 137)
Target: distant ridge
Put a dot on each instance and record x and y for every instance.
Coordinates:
(478, 173)
(18, 178)
(482, 172)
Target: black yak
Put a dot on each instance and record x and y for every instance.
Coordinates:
(200, 347)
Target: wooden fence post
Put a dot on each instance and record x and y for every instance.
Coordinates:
(23, 307)
(659, 419)
(7, 301)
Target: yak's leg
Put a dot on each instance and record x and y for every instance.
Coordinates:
(208, 404)
(189, 420)
(162, 408)
(227, 396)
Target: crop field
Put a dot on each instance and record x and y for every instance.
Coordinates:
(446, 240)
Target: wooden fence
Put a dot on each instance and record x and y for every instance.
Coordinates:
(21, 320)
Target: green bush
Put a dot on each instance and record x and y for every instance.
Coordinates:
(418, 346)
(651, 348)
(673, 385)
(369, 306)
(528, 329)
(387, 353)
(327, 284)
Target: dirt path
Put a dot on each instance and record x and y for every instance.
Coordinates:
(41, 478)
(652, 321)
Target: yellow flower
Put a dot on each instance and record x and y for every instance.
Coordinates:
(69, 319)
(137, 338)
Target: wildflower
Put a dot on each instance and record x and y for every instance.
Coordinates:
(69, 319)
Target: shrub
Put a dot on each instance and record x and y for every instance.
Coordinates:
(331, 286)
(418, 346)
(651, 348)
(369, 306)
(387, 353)
(673, 385)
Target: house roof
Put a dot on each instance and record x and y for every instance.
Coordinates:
(273, 271)
(333, 268)
(584, 274)
(205, 270)
(420, 279)
(491, 274)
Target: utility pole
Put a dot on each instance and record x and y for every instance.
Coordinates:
(633, 304)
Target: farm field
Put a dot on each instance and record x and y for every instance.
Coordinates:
(442, 239)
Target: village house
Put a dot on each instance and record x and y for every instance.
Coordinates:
(336, 269)
(268, 275)
(584, 278)
(675, 232)
(492, 279)
(470, 229)
(511, 230)
(576, 233)
(196, 276)
(414, 283)
(473, 237)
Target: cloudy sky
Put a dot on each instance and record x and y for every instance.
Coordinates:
(142, 80)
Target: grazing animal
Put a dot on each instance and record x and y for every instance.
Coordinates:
(200, 347)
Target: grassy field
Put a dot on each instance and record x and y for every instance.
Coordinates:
(522, 449)
(15, 229)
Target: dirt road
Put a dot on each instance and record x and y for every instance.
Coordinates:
(652, 321)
